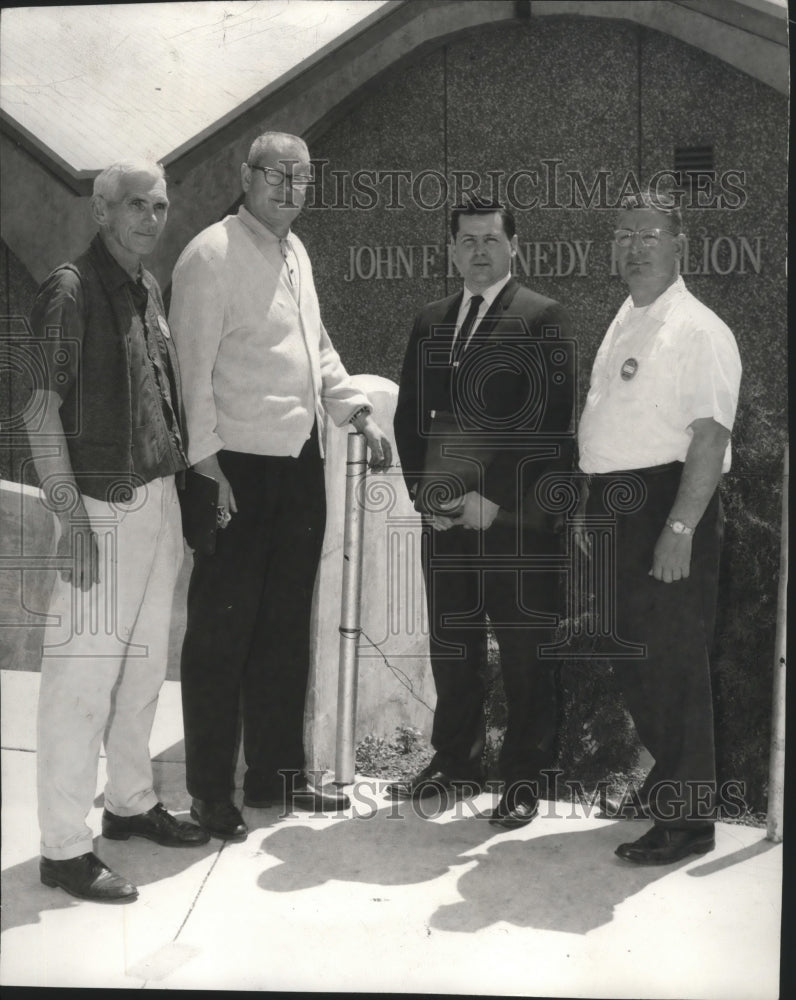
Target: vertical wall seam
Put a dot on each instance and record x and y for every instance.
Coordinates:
(639, 53)
(445, 154)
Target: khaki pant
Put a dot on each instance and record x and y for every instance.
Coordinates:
(104, 661)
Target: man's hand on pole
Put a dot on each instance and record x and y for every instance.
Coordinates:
(377, 441)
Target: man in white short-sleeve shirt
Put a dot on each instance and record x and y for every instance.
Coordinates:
(657, 423)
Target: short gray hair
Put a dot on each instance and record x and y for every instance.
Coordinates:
(667, 204)
(108, 182)
(269, 139)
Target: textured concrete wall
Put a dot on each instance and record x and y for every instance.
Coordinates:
(508, 97)
(27, 541)
(44, 222)
(18, 292)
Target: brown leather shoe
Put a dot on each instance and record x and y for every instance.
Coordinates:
(220, 819)
(86, 877)
(157, 824)
(663, 845)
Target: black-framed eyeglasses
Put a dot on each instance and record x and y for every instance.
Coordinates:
(648, 237)
(275, 177)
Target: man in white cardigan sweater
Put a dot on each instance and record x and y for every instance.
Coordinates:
(259, 372)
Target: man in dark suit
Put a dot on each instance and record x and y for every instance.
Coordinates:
(486, 395)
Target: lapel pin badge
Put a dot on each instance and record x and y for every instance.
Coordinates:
(629, 369)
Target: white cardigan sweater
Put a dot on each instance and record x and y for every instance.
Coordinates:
(257, 367)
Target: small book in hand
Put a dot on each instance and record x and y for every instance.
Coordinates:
(455, 463)
(199, 502)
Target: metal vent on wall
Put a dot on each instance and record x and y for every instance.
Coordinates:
(691, 161)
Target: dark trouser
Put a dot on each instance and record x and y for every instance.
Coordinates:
(667, 689)
(463, 587)
(248, 633)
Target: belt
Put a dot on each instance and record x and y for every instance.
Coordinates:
(648, 471)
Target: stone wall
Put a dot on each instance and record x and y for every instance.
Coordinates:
(18, 291)
(27, 544)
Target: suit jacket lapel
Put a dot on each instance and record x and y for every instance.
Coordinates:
(442, 322)
(437, 335)
(496, 311)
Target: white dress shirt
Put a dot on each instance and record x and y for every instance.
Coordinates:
(680, 362)
(489, 296)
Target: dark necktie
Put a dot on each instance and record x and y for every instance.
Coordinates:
(460, 344)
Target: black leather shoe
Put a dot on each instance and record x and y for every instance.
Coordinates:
(630, 807)
(511, 815)
(662, 845)
(87, 878)
(157, 824)
(323, 798)
(219, 819)
(431, 781)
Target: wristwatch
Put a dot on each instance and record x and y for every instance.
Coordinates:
(678, 527)
(362, 411)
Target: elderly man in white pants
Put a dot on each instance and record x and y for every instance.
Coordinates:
(107, 442)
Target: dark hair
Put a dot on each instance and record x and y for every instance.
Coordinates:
(666, 204)
(477, 206)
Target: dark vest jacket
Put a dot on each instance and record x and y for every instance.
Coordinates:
(96, 409)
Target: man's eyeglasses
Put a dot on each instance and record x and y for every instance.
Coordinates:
(276, 177)
(648, 237)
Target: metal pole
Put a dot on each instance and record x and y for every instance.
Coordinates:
(350, 629)
(776, 765)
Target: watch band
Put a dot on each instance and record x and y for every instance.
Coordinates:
(363, 410)
(678, 527)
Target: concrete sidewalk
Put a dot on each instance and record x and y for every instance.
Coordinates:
(383, 899)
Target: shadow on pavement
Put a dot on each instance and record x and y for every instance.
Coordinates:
(569, 882)
(175, 754)
(744, 854)
(565, 881)
(140, 861)
(384, 848)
